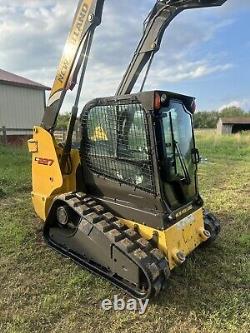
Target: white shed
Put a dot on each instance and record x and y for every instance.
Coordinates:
(22, 103)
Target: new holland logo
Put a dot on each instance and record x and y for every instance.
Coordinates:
(44, 161)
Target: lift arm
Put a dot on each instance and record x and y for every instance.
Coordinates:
(155, 25)
(88, 16)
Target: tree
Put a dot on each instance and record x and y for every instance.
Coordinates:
(206, 119)
(232, 111)
(62, 121)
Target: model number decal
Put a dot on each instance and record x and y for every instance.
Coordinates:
(184, 222)
(44, 161)
(184, 211)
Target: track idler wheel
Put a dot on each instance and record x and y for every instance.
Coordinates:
(212, 225)
(62, 215)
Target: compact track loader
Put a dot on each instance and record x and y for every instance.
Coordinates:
(125, 204)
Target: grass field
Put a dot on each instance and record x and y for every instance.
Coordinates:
(44, 292)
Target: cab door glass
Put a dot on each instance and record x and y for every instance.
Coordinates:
(178, 137)
(117, 144)
(132, 137)
(178, 170)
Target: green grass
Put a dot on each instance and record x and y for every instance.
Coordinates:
(15, 171)
(229, 147)
(44, 292)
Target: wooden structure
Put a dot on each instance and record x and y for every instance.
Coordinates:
(233, 125)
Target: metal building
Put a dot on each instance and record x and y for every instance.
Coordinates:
(233, 125)
(22, 103)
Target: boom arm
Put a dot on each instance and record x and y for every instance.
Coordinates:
(88, 16)
(156, 23)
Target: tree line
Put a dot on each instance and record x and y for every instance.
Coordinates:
(209, 119)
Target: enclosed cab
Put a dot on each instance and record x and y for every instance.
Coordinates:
(138, 155)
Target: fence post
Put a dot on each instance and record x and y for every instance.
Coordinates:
(4, 131)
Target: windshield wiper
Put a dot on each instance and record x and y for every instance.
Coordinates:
(183, 164)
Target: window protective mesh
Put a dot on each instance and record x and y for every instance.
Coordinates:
(117, 144)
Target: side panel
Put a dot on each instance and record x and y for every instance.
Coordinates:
(47, 179)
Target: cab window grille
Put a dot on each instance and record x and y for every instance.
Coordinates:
(117, 144)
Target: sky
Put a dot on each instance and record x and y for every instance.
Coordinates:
(205, 53)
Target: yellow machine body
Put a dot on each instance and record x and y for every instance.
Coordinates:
(177, 241)
(48, 182)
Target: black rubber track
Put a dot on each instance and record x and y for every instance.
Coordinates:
(151, 262)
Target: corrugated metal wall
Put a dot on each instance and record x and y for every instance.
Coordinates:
(20, 107)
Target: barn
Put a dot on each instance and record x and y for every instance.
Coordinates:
(22, 103)
(233, 125)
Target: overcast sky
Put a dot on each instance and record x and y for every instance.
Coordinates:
(205, 53)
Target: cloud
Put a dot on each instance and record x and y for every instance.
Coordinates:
(33, 33)
(188, 71)
(243, 104)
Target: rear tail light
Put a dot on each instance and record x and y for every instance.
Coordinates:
(157, 102)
